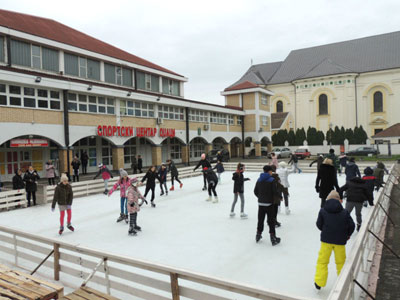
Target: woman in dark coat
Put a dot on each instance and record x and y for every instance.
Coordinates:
(18, 182)
(31, 177)
(151, 177)
(326, 180)
(174, 174)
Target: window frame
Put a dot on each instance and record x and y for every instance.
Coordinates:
(374, 100)
(319, 105)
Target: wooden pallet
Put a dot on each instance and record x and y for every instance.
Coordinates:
(15, 285)
(86, 293)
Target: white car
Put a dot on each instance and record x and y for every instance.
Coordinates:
(280, 152)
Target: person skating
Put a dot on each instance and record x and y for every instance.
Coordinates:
(220, 169)
(352, 170)
(266, 191)
(174, 174)
(204, 163)
(133, 195)
(84, 160)
(140, 163)
(336, 227)
(219, 156)
(332, 156)
(326, 180)
(212, 181)
(357, 193)
(371, 182)
(274, 160)
(319, 161)
(162, 174)
(294, 160)
(50, 172)
(379, 173)
(63, 196)
(278, 197)
(342, 162)
(106, 175)
(75, 167)
(134, 165)
(123, 184)
(150, 178)
(284, 173)
(238, 190)
(18, 181)
(31, 177)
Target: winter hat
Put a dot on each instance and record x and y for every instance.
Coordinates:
(283, 164)
(134, 180)
(123, 173)
(203, 155)
(352, 159)
(333, 195)
(328, 161)
(100, 165)
(64, 177)
(368, 171)
(267, 168)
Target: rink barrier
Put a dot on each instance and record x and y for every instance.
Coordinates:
(75, 265)
(13, 198)
(359, 260)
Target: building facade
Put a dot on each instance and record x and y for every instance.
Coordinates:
(63, 93)
(347, 84)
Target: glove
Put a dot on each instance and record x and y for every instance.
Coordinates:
(52, 209)
(132, 204)
(317, 189)
(194, 170)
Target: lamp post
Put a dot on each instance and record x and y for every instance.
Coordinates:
(330, 135)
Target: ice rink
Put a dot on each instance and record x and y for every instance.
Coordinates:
(188, 232)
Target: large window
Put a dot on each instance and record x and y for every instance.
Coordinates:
(323, 104)
(176, 149)
(230, 120)
(198, 116)
(90, 103)
(197, 147)
(238, 120)
(279, 106)
(378, 102)
(14, 95)
(148, 82)
(218, 118)
(129, 151)
(106, 153)
(136, 108)
(264, 121)
(117, 75)
(264, 99)
(34, 56)
(81, 66)
(170, 87)
(171, 112)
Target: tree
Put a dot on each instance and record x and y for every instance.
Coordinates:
(360, 136)
(363, 135)
(300, 137)
(291, 138)
(312, 138)
(349, 135)
(329, 136)
(320, 137)
(342, 135)
(337, 140)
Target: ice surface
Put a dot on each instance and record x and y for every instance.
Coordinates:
(187, 232)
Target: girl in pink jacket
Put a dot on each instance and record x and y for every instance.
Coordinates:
(134, 195)
(123, 183)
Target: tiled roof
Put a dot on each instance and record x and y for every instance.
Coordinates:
(392, 131)
(242, 86)
(53, 30)
(277, 119)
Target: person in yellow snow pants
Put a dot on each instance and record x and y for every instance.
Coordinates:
(336, 227)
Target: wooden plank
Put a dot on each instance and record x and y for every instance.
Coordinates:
(85, 295)
(174, 286)
(26, 284)
(97, 293)
(56, 255)
(19, 290)
(10, 294)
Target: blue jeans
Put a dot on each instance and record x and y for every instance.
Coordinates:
(124, 209)
(296, 168)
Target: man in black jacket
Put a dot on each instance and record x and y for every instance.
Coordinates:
(204, 163)
(18, 182)
(326, 180)
(266, 190)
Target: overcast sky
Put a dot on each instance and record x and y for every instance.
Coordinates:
(212, 42)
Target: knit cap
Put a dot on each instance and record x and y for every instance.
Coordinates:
(64, 177)
(283, 164)
(333, 195)
(123, 173)
(368, 171)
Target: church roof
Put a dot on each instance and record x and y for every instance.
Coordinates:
(277, 119)
(392, 131)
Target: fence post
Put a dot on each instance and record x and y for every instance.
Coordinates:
(15, 250)
(107, 274)
(56, 262)
(174, 286)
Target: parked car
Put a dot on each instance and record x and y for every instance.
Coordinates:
(363, 151)
(264, 152)
(212, 155)
(280, 152)
(302, 152)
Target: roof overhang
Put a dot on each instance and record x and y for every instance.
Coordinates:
(250, 90)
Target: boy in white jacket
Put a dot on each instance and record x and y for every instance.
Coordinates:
(283, 173)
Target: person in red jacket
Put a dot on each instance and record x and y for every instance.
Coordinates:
(106, 175)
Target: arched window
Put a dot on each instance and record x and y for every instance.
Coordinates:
(378, 102)
(279, 106)
(323, 104)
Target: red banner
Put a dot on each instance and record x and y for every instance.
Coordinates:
(132, 131)
(29, 143)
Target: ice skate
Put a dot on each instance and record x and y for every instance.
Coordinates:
(258, 237)
(275, 240)
(131, 231)
(162, 193)
(105, 192)
(181, 185)
(317, 286)
(365, 204)
(215, 199)
(277, 224)
(208, 198)
(232, 214)
(172, 188)
(70, 227)
(243, 215)
(287, 210)
(126, 219)
(121, 217)
(166, 193)
(137, 228)
(61, 230)
(204, 188)
(358, 227)
(153, 204)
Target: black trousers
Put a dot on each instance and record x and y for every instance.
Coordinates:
(205, 180)
(211, 188)
(51, 181)
(84, 168)
(276, 207)
(28, 197)
(148, 188)
(270, 212)
(323, 202)
(174, 177)
(75, 176)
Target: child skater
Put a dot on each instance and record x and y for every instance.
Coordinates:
(133, 195)
(162, 174)
(371, 182)
(212, 181)
(151, 176)
(220, 169)
(63, 196)
(123, 183)
(284, 173)
(174, 174)
(276, 204)
(105, 174)
(238, 190)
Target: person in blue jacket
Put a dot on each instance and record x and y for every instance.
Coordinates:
(220, 169)
(352, 170)
(162, 174)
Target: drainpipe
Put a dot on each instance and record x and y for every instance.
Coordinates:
(66, 124)
(243, 148)
(9, 50)
(355, 96)
(295, 107)
(187, 135)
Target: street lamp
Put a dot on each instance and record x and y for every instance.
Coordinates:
(330, 135)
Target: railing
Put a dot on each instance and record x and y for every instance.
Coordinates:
(119, 275)
(13, 198)
(354, 275)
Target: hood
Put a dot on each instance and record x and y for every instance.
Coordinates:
(357, 180)
(368, 171)
(350, 163)
(381, 166)
(333, 206)
(326, 166)
(265, 177)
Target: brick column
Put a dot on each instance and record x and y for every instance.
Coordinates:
(185, 154)
(208, 148)
(257, 147)
(118, 157)
(156, 155)
(62, 156)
